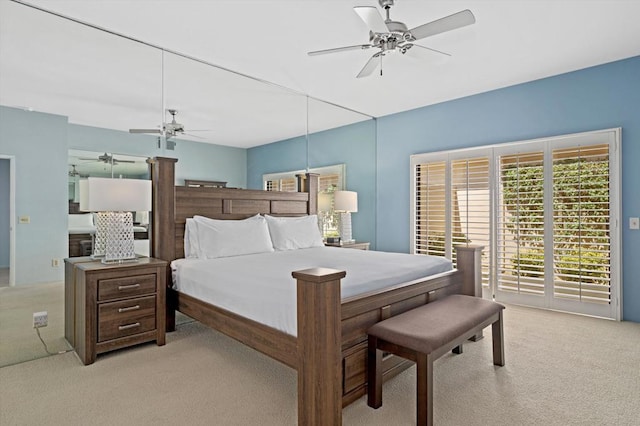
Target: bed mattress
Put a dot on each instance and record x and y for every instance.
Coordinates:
(260, 286)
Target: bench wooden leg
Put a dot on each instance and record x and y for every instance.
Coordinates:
(424, 365)
(498, 341)
(374, 374)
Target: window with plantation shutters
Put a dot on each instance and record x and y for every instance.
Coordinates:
(520, 254)
(330, 179)
(470, 207)
(546, 212)
(581, 223)
(430, 203)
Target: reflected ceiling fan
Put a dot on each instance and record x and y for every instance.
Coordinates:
(390, 36)
(105, 158)
(170, 129)
(74, 172)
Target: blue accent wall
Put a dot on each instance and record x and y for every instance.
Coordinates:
(352, 145)
(196, 160)
(40, 144)
(601, 97)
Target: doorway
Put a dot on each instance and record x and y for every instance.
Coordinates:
(7, 267)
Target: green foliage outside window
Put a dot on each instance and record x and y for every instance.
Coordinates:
(581, 219)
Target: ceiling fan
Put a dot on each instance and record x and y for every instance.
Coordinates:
(73, 172)
(105, 158)
(168, 130)
(390, 36)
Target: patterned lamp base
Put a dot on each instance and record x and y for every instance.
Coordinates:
(119, 246)
(345, 227)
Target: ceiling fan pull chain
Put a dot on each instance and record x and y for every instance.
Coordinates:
(381, 65)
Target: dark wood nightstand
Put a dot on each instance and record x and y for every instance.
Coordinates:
(113, 306)
(358, 245)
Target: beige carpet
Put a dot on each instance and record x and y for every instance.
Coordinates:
(561, 370)
(18, 339)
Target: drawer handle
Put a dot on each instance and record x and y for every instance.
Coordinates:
(128, 326)
(130, 308)
(128, 287)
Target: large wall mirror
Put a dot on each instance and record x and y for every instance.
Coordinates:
(82, 224)
(69, 95)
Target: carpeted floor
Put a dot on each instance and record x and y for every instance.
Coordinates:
(18, 339)
(561, 370)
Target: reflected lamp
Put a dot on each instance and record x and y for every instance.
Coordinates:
(345, 202)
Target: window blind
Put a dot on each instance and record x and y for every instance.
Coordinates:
(520, 251)
(581, 218)
(470, 207)
(430, 204)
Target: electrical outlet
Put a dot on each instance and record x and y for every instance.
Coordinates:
(40, 319)
(55, 263)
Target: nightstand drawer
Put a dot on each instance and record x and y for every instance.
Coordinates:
(117, 288)
(126, 317)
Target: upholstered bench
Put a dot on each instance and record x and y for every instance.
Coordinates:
(424, 334)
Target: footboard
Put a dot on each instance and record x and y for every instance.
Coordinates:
(332, 361)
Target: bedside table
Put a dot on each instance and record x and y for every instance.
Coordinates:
(112, 306)
(358, 245)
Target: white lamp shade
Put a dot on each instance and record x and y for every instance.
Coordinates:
(345, 201)
(83, 194)
(115, 195)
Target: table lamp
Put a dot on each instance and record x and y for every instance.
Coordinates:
(114, 200)
(345, 202)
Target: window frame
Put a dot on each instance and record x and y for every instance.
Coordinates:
(611, 136)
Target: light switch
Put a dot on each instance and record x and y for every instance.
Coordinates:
(25, 219)
(634, 223)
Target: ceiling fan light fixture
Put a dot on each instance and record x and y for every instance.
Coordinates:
(388, 35)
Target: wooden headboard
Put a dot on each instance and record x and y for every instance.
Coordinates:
(172, 205)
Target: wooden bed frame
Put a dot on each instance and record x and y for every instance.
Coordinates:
(329, 353)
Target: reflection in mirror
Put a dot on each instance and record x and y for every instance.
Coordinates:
(84, 164)
(226, 108)
(59, 88)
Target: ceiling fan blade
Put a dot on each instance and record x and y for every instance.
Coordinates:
(194, 136)
(145, 131)
(448, 23)
(372, 18)
(117, 160)
(339, 49)
(432, 50)
(371, 65)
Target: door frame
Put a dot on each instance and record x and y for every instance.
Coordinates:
(12, 217)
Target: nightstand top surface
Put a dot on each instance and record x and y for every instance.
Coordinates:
(89, 264)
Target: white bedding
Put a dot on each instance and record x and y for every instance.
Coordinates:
(260, 286)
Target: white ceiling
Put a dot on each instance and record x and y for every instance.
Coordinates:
(512, 42)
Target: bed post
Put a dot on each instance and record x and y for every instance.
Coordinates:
(163, 222)
(308, 183)
(469, 262)
(319, 347)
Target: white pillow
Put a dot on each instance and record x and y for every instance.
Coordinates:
(190, 239)
(191, 243)
(291, 233)
(226, 238)
(80, 220)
